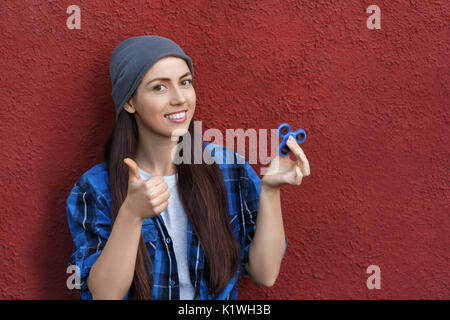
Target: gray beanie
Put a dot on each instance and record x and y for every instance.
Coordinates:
(132, 58)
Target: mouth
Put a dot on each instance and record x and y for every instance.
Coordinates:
(176, 117)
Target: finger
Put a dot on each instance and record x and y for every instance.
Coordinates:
(300, 155)
(160, 199)
(293, 176)
(161, 207)
(133, 169)
(154, 181)
(298, 175)
(158, 189)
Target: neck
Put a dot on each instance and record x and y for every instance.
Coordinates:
(154, 155)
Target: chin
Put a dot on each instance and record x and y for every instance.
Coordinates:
(181, 130)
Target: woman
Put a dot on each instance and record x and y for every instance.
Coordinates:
(146, 228)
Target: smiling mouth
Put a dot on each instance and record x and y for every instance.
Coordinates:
(176, 117)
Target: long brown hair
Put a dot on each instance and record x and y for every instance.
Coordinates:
(203, 196)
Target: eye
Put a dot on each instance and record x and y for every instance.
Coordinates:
(189, 81)
(155, 88)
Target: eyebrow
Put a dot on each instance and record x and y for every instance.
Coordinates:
(166, 79)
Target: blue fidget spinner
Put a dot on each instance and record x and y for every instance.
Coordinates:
(284, 131)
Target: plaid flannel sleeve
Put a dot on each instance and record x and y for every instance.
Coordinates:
(90, 227)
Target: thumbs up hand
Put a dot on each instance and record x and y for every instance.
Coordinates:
(145, 198)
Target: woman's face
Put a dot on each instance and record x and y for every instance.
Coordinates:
(165, 89)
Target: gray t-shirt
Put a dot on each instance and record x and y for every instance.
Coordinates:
(175, 220)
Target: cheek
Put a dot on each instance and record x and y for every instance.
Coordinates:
(192, 98)
(153, 105)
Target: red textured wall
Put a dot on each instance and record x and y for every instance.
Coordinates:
(374, 104)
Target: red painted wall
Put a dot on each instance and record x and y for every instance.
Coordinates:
(374, 104)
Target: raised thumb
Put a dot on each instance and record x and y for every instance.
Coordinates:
(133, 173)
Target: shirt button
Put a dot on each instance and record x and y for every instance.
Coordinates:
(171, 283)
(168, 240)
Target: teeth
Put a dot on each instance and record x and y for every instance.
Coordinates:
(177, 115)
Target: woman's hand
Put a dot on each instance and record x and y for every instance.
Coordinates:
(283, 170)
(145, 198)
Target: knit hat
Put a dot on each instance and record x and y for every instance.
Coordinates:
(132, 58)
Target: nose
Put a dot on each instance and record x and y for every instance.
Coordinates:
(177, 96)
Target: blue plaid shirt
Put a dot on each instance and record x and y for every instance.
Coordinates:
(88, 212)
